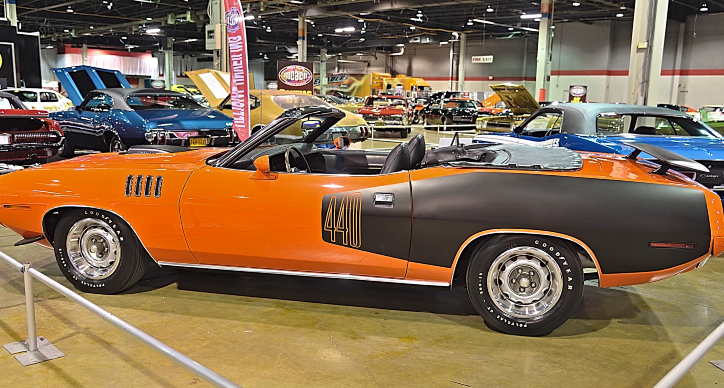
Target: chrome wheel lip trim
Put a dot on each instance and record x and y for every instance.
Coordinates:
(79, 248)
(532, 311)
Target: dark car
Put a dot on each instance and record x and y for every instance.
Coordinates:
(450, 112)
(115, 119)
(26, 135)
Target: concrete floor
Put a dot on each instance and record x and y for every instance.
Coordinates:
(276, 331)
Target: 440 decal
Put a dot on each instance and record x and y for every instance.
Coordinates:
(342, 219)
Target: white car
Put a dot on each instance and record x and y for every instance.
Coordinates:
(713, 113)
(42, 99)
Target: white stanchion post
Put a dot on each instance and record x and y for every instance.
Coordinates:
(691, 359)
(30, 308)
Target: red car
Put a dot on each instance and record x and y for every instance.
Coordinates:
(26, 135)
(383, 111)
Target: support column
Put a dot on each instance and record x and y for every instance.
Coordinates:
(11, 12)
(452, 63)
(543, 71)
(168, 64)
(676, 79)
(224, 51)
(302, 39)
(647, 51)
(84, 54)
(323, 71)
(461, 62)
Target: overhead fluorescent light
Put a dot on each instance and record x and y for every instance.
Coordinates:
(143, 1)
(153, 30)
(364, 13)
(528, 29)
(531, 16)
(296, 2)
(444, 42)
(490, 9)
(344, 29)
(484, 21)
(619, 15)
(190, 40)
(400, 45)
(320, 34)
(576, 4)
(361, 39)
(149, 18)
(249, 17)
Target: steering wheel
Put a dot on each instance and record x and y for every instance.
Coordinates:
(286, 158)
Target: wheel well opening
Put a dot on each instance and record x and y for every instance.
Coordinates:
(108, 136)
(50, 222)
(590, 270)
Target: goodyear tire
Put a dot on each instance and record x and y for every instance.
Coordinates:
(525, 285)
(97, 252)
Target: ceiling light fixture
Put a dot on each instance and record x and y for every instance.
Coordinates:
(69, 10)
(531, 16)
(364, 13)
(470, 22)
(320, 34)
(49, 47)
(190, 40)
(444, 42)
(153, 30)
(622, 6)
(400, 45)
(619, 15)
(412, 27)
(268, 29)
(91, 27)
(149, 18)
(703, 8)
(360, 20)
(483, 21)
(490, 9)
(361, 39)
(249, 17)
(344, 29)
(296, 2)
(510, 28)
(123, 37)
(66, 30)
(576, 4)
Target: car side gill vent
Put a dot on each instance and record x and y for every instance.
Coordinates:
(129, 185)
(159, 181)
(140, 185)
(149, 186)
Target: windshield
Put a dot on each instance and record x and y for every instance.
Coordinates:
(608, 124)
(6, 103)
(291, 101)
(458, 104)
(161, 101)
(24, 95)
(335, 100)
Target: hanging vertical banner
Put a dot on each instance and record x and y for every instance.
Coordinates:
(236, 31)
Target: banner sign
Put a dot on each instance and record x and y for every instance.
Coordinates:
(482, 59)
(236, 31)
(577, 93)
(297, 76)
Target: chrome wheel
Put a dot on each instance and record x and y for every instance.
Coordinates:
(116, 145)
(525, 282)
(93, 248)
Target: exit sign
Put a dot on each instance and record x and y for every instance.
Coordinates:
(483, 59)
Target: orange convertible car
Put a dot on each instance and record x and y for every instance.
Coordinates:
(522, 227)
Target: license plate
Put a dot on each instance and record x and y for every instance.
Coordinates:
(460, 118)
(379, 123)
(4, 139)
(198, 141)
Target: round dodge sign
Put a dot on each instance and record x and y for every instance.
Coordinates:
(295, 75)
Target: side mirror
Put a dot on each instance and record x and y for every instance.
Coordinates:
(263, 169)
(78, 109)
(310, 125)
(518, 130)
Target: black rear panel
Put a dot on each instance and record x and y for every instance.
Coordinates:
(616, 219)
(82, 82)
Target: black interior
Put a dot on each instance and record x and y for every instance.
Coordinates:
(20, 124)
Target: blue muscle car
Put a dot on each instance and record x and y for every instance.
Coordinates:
(113, 119)
(607, 128)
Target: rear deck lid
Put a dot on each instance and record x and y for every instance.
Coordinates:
(78, 81)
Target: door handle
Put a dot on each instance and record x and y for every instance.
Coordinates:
(384, 200)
